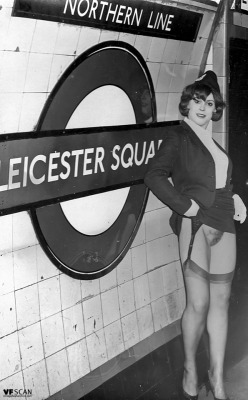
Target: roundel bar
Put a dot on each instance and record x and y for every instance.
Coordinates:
(81, 255)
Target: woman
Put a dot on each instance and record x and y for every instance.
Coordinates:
(204, 209)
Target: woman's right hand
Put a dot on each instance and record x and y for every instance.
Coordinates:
(193, 210)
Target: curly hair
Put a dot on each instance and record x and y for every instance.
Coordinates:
(201, 91)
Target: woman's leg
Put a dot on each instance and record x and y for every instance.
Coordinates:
(197, 301)
(223, 258)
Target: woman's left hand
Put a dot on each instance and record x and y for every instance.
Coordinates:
(240, 209)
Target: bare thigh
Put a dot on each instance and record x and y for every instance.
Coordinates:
(213, 251)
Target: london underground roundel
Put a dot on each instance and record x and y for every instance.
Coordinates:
(109, 85)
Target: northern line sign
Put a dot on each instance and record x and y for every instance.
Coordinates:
(136, 16)
(48, 167)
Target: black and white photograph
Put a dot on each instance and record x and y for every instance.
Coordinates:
(123, 199)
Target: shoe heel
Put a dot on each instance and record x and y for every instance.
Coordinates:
(207, 387)
(187, 396)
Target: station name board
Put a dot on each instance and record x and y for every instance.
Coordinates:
(136, 16)
(241, 6)
(72, 163)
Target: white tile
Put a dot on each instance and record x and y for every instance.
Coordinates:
(108, 35)
(237, 18)
(145, 322)
(10, 116)
(206, 24)
(73, 324)
(25, 267)
(198, 50)
(92, 311)
(90, 288)
(67, 39)
(141, 291)
(20, 34)
(35, 378)
(46, 269)
(173, 305)
(31, 345)
(38, 71)
(180, 281)
(170, 278)
(130, 330)
(88, 37)
(7, 273)
(49, 294)
(27, 306)
(155, 254)
(114, 339)
(126, 298)
(170, 248)
(44, 38)
(192, 74)
(184, 52)
(170, 51)
(70, 291)
(12, 382)
(32, 105)
(139, 262)
(10, 356)
(59, 65)
(156, 283)
(53, 334)
(154, 69)
(162, 99)
(23, 231)
(1, 58)
(110, 306)
(78, 360)
(156, 50)
(164, 78)
(140, 236)
(172, 112)
(57, 371)
(127, 38)
(178, 81)
(96, 349)
(142, 44)
(157, 223)
(5, 17)
(7, 3)
(181, 299)
(124, 269)
(13, 72)
(7, 314)
(108, 281)
(153, 202)
(159, 313)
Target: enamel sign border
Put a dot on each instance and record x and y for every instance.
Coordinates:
(79, 255)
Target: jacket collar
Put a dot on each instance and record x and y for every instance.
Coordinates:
(195, 138)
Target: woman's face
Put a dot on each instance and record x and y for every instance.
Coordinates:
(200, 111)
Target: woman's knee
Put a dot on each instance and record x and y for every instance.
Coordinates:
(220, 298)
(199, 305)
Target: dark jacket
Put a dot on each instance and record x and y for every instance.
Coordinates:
(183, 157)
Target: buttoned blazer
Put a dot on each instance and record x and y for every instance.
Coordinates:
(183, 157)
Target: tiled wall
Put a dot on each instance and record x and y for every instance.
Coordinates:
(54, 330)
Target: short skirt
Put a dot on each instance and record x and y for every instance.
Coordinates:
(219, 216)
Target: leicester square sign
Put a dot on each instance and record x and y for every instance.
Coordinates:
(136, 16)
(48, 167)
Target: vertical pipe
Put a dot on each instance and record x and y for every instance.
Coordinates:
(221, 67)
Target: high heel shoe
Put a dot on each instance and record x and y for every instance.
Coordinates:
(209, 388)
(187, 396)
